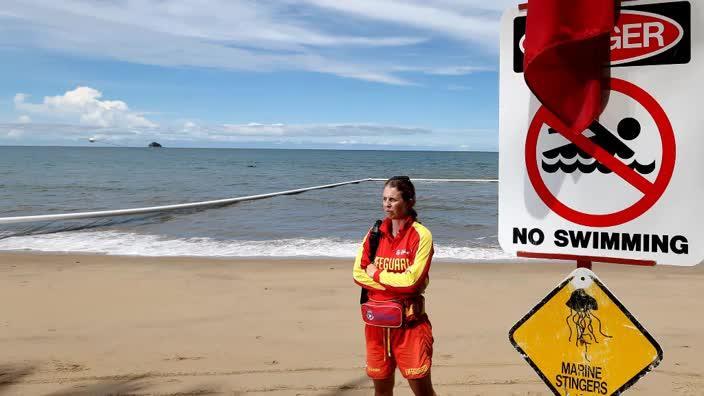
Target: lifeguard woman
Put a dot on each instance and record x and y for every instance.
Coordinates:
(397, 278)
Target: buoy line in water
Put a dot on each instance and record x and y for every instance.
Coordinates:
(449, 180)
(199, 205)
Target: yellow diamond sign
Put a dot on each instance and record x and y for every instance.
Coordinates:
(582, 341)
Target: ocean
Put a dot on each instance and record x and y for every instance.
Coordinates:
(321, 223)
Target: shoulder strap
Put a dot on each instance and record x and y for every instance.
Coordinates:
(374, 235)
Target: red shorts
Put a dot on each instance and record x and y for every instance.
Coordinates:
(409, 348)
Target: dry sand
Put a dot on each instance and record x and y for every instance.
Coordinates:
(92, 325)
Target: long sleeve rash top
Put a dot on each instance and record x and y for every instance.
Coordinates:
(403, 262)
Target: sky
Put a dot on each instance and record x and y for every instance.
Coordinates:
(331, 74)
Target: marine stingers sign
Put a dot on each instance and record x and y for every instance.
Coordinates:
(638, 194)
(582, 341)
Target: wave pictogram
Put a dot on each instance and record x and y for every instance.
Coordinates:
(643, 169)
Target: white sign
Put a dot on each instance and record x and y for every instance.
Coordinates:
(637, 194)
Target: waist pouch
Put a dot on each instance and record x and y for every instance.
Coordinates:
(393, 313)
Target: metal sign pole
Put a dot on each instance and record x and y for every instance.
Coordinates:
(584, 264)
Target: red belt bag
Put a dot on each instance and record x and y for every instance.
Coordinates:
(383, 313)
(393, 314)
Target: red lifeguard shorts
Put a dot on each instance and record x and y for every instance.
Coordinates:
(411, 349)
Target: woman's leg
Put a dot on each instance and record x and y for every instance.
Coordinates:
(379, 365)
(414, 355)
(422, 386)
(384, 387)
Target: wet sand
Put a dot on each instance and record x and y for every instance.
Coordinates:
(92, 325)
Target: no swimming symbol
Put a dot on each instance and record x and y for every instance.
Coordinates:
(604, 148)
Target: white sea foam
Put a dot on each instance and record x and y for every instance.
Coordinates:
(133, 244)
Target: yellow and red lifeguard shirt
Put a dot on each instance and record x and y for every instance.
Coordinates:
(402, 261)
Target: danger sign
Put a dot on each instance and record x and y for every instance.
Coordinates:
(645, 34)
(630, 185)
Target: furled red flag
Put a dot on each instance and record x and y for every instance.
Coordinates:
(566, 48)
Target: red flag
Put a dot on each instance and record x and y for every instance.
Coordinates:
(566, 48)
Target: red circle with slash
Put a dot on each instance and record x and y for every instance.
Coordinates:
(652, 191)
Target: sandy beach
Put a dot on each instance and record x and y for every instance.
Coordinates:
(91, 325)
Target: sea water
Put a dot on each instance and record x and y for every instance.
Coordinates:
(462, 216)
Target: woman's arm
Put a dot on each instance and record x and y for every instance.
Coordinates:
(413, 279)
(361, 262)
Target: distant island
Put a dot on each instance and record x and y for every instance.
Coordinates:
(154, 145)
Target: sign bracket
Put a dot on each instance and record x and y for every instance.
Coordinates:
(585, 261)
(584, 264)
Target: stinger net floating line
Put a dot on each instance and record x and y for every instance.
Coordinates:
(51, 223)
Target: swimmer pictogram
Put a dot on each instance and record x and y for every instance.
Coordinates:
(628, 129)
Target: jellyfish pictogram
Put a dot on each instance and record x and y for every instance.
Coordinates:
(582, 316)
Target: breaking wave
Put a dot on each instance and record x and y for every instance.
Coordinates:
(134, 244)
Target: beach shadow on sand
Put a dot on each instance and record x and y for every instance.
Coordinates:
(353, 385)
(133, 386)
(123, 387)
(14, 374)
(9, 374)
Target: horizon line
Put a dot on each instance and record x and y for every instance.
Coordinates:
(258, 148)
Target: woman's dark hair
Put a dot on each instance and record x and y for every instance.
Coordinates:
(405, 187)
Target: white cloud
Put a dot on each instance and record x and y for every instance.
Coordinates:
(20, 98)
(41, 133)
(24, 119)
(456, 70)
(447, 18)
(285, 132)
(14, 133)
(189, 126)
(457, 87)
(443, 70)
(314, 130)
(259, 24)
(191, 134)
(325, 36)
(84, 105)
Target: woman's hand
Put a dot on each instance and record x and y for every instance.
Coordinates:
(371, 269)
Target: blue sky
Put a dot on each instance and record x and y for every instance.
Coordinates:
(342, 74)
